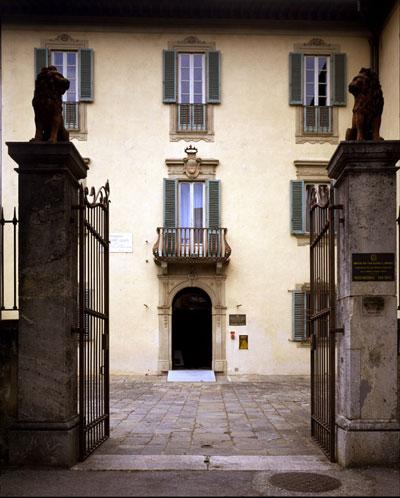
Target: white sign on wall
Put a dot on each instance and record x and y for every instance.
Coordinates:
(120, 242)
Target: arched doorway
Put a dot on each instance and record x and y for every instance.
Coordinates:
(191, 329)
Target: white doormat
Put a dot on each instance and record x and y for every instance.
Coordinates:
(191, 376)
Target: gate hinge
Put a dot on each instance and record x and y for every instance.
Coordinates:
(76, 330)
(337, 331)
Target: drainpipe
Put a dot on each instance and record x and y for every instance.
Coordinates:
(374, 51)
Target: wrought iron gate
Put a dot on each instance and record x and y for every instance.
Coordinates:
(93, 362)
(322, 318)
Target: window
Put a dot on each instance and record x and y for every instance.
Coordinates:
(301, 325)
(75, 61)
(317, 112)
(192, 217)
(66, 63)
(317, 85)
(191, 92)
(191, 204)
(191, 82)
(300, 205)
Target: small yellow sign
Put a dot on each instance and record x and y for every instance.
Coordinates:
(243, 342)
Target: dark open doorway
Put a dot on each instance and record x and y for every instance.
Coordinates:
(191, 330)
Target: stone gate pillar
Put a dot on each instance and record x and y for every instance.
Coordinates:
(367, 391)
(46, 432)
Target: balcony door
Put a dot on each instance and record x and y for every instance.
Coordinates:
(192, 217)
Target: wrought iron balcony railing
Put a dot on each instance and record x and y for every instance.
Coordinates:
(181, 245)
(192, 117)
(317, 119)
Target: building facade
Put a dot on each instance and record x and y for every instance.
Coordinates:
(212, 132)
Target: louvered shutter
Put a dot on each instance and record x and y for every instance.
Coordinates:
(296, 79)
(214, 77)
(214, 203)
(169, 76)
(41, 59)
(338, 79)
(298, 316)
(86, 74)
(170, 217)
(297, 206)
(214, 217)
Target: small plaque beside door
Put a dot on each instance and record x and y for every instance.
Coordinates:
(237, 319)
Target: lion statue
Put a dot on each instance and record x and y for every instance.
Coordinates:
(368, 106)
(47, 104)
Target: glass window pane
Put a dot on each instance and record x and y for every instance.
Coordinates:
(198, 74)
(322, 100)
(322, 77)
(198, 60)
(309, 63)
(184, 60)
(185, 87)
(322, 64)
(310, 77)
(184, 98)
(71, 58)
(185, 74)
(184, 208)
(198, 88)
(71, 72)
(309, 100)
(198, 205)
(58, 58)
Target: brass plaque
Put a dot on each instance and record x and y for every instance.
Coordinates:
(243, 342)
(237, 319)
(373, 267)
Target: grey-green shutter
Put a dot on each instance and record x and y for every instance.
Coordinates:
(214, 203)
(169, 76)
(41, 59)
(296, 79)
(86, 74)
(298, 316)
(214, 77)
(338, 79)
(297, 207)
(170, 203)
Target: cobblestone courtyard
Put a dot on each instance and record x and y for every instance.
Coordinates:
(246, 415)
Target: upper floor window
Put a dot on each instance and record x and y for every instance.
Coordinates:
(317, 84)
(75, 62)
(191, 81)
(301, 204)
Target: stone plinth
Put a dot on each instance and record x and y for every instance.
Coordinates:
(46, 432)
(367, 390)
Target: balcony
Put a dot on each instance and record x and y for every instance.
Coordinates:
(70, 112)
(192, 117)
(317, 119)
(191, 245)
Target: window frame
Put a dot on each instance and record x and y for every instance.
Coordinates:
(191, 203)
(317, 47)
(191, 45)
(65, 43)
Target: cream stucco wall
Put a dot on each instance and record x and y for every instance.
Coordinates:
(128, 142)
(389, 72)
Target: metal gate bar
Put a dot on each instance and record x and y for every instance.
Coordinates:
(322, 318)
(93, 362)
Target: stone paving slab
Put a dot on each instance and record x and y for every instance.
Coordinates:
(199, 462)
(237, 415)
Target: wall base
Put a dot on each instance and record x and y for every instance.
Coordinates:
(356, 448)
(45, 444)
